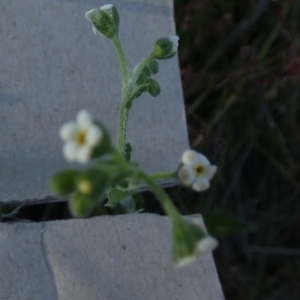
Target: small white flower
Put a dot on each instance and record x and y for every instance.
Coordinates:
(80, 137)
(174, 39)
(93, 13)
(207, 244)
(196, 170)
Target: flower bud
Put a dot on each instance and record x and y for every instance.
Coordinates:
(105, 20)
(80, 205)
(92, 182)
(153, 66)
(63, 183)
(190, 241)
(166, 47)
(153, 88)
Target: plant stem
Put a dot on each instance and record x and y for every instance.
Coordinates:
(127, 90)
(121, 138)
(123, 115)
(163, 175)
(122, 58)
(161, 196)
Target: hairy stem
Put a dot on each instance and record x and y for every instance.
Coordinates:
(161, 196)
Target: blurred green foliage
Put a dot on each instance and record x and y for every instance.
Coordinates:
(240, 65)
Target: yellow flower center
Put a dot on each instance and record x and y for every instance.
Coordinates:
(85, 187)
(81, 137)
(199, 169)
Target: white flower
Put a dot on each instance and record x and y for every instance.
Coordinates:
(204, 246)
(80, 137)
(196, 170)
(207, 244)
(174, 39)
(94, 12)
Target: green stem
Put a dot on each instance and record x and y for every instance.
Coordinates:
(163, 175)
(123, 116)
(161, 196)
(122, 58)
(123, 119)
(127, 90)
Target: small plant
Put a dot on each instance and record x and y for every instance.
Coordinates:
(109, 169)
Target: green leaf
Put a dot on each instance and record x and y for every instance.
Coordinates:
(221, 224)
(115, 196)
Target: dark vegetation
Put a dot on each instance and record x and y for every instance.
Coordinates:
(240, 66)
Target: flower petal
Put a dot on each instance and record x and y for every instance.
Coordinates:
(189, 157)
(201, 184)
(68, 131)
(96, 31)
(174, 39)
(70, 150)
(94, 135)
(202, 160)
(83, 154)
(207, 244)
(88, 14)
(211, 172)
(106, 7)
(183, 262)
(186, 174)
(84, 119)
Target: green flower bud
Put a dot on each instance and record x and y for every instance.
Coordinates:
(153, 88)
(105, 20)
(190, 241)
(143, 79)
(140, 90)
(166, 47)
(92, 182)
(146, 71)
(80, 205)
(153, 66)
(63, 183)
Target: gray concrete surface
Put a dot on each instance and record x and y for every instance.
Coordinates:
(106, 258)
(52, 65)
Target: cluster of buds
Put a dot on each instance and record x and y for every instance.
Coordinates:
(105, 22)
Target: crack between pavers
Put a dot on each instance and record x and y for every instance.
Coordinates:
(47, 261)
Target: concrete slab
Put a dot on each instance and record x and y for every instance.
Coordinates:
(100, 258)
(52, 65)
